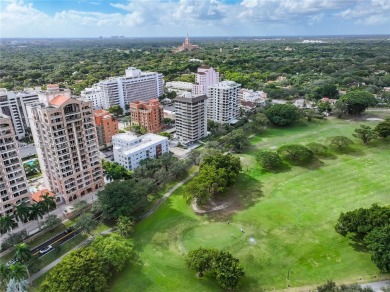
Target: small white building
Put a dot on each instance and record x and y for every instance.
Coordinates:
(258, 97)
(130, 150)
(178, 86)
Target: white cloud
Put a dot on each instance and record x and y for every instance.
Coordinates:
(203, 17)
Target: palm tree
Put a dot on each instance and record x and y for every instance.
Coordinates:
(7, 222)
(4, 276)
(18, 272)
(22, 212)
(48, 202)
(23, 255)
(36, 212)
(124, 226)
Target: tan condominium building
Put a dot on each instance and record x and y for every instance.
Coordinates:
(191, 117)
(106, 127)
(149, 115)
(13, 181)
(66, 141)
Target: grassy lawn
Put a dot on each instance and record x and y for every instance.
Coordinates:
(288, 219)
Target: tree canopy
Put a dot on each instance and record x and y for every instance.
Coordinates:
(357, 101)
(269, 160)
(296, 154)
(283, 114)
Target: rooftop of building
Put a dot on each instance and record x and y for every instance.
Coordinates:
(37, 196)
(144, 141)
(204, 67)
(189, 98)
(225, 84)
(59, 100)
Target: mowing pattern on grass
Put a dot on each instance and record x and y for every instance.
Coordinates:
(290, 216)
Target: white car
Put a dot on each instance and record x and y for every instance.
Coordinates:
(46, 249)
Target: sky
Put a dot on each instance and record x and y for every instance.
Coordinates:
(163, 18)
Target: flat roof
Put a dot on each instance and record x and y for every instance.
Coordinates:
(146, 141)
(192, 99)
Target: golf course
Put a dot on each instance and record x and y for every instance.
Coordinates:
(279, 225)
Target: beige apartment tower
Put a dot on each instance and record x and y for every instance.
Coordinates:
(66, 141)
(191, 117)
(13, 181)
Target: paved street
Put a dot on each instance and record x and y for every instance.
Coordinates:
(27, 150)
(377, 286)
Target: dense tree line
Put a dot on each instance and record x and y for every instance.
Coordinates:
(308, 70)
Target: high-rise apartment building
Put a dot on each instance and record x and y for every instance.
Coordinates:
(13, 104)
(13, 181)
(135, 85)
(205, 77)
(149, 115)
(95, 95)
(66, 141)
(106, 127)
(223, 103)
(191, 117)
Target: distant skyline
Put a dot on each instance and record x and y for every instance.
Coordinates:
(165, 18)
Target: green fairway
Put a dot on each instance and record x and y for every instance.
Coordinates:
(288, 220)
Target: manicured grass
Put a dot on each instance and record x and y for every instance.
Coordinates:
(290, 215)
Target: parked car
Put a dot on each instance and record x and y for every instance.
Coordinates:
(11, 262)
(46, 249)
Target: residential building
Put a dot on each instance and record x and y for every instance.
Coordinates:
(37, 196)
(178, 86)
(66, 142)
(258, 97)
(95, 95)
(186, 46)
(223, 103)
(205, 77)
(130, 150)
(135, 85)
(13, 104)
(52, 90)
(106, 127)
(13, 181)
(191, 118)
(149, 115)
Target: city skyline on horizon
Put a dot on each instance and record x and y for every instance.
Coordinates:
(198, 18)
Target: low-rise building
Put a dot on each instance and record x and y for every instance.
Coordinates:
(149, 115)
(178, 86)
(106, 127)
(130, 150)
(258, 97)
(95, 95)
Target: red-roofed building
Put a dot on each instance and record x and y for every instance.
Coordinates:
(37, 196)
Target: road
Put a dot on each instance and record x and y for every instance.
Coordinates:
(377, 286)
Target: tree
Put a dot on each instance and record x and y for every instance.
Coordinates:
(357, 101)
(81, 270)
(124, 226)
(4, 276)
(227, 269)
(18, 272)
(86, 222)
(268, 160)
(48, 202)
(7, 223)
(200, 260)
(324, 106)
(228, 162)
(51, 221)
(22, 212)
(116, 110)
(317, 148)
(339, 142)
(237, 140)
(365, 134)
(283, 114)
(37, 211)
(114, 250)
(296, 153)
(383, 128)
(166, 134)
(80, 205)
(115, 171)
(378, 242)
(123, 198)
(23, 255)
(362, 221)
(209, 182)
